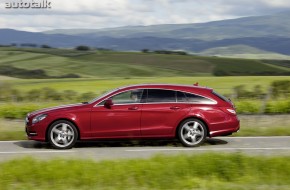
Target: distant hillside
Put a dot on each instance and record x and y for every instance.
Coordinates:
(9, 36)
(61, 63)
(256, 26)
(270, 44)
(262, 35)
(243, 51)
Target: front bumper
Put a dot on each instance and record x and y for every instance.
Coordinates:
(35, 131)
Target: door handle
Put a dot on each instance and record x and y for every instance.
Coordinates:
(133, 108)
(174, 108)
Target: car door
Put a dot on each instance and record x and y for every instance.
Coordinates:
(161, 113)
(122, 119)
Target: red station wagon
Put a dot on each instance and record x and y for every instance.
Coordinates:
(189, 113)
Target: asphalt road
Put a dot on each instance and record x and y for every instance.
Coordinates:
(144, 149)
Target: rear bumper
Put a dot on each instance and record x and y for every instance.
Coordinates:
(229, 127)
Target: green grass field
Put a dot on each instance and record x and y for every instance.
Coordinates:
(100, 64)
(221, 84)
(205, 171)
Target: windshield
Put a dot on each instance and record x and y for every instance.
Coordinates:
(103, 95)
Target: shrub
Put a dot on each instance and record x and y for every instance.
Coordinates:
(241, 92)
(22, 73)
(70, 75)
(45, 46)
(87, 96)
(69, 95)
(281, 88)
(82, 48)
(16, 111)
(51, 94)
(145, 50)
(280, 106)
(248, 106)
(33, 95)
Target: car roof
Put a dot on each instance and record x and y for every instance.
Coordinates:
(167, 86)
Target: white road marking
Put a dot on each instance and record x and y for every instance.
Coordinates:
(203, 149)
(13, 141)
(219, 137)
(254, 137)
(29, 152)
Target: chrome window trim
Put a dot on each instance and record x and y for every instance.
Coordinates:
(158, 103)
(214, 102)
(159, 84)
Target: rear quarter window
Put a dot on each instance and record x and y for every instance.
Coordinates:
(193, 98)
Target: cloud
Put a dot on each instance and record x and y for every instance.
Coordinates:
(114, 13)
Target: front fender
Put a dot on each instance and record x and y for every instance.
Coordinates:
(80, 120)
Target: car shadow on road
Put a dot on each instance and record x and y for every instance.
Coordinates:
(33, 144)
(119, 143)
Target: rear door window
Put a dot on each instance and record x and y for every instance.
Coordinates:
(158, 95)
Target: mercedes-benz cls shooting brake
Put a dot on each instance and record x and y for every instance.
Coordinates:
(189, 113)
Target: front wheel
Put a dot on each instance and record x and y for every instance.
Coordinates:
(192, 132)
(62, 134)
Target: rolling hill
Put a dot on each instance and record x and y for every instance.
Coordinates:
(243, 51)
(63, 63)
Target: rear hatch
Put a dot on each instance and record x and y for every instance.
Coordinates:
(227, 106)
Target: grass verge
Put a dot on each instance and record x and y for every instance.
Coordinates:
(206, 171)
(264, 125)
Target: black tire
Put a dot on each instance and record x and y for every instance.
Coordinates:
(62, 134)
(192, 132)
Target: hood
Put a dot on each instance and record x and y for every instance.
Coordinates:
(62, 107)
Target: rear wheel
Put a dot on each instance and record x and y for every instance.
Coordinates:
(192, 132)
(62, 134)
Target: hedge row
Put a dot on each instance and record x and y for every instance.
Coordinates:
(19, 110)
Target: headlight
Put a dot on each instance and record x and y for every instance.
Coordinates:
(38, 118)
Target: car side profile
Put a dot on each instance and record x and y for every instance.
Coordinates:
(187, 112)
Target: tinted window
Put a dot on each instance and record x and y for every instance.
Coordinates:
(181, 97)
(198, 99)
(156, 95)
(128, 97)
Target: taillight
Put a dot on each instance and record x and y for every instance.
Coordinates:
(228, 110)
(231, 111)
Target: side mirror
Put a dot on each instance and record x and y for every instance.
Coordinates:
(108, 103)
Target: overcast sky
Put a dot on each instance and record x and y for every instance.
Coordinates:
(113, 13)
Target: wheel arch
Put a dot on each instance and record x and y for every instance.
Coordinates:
(59, 119)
